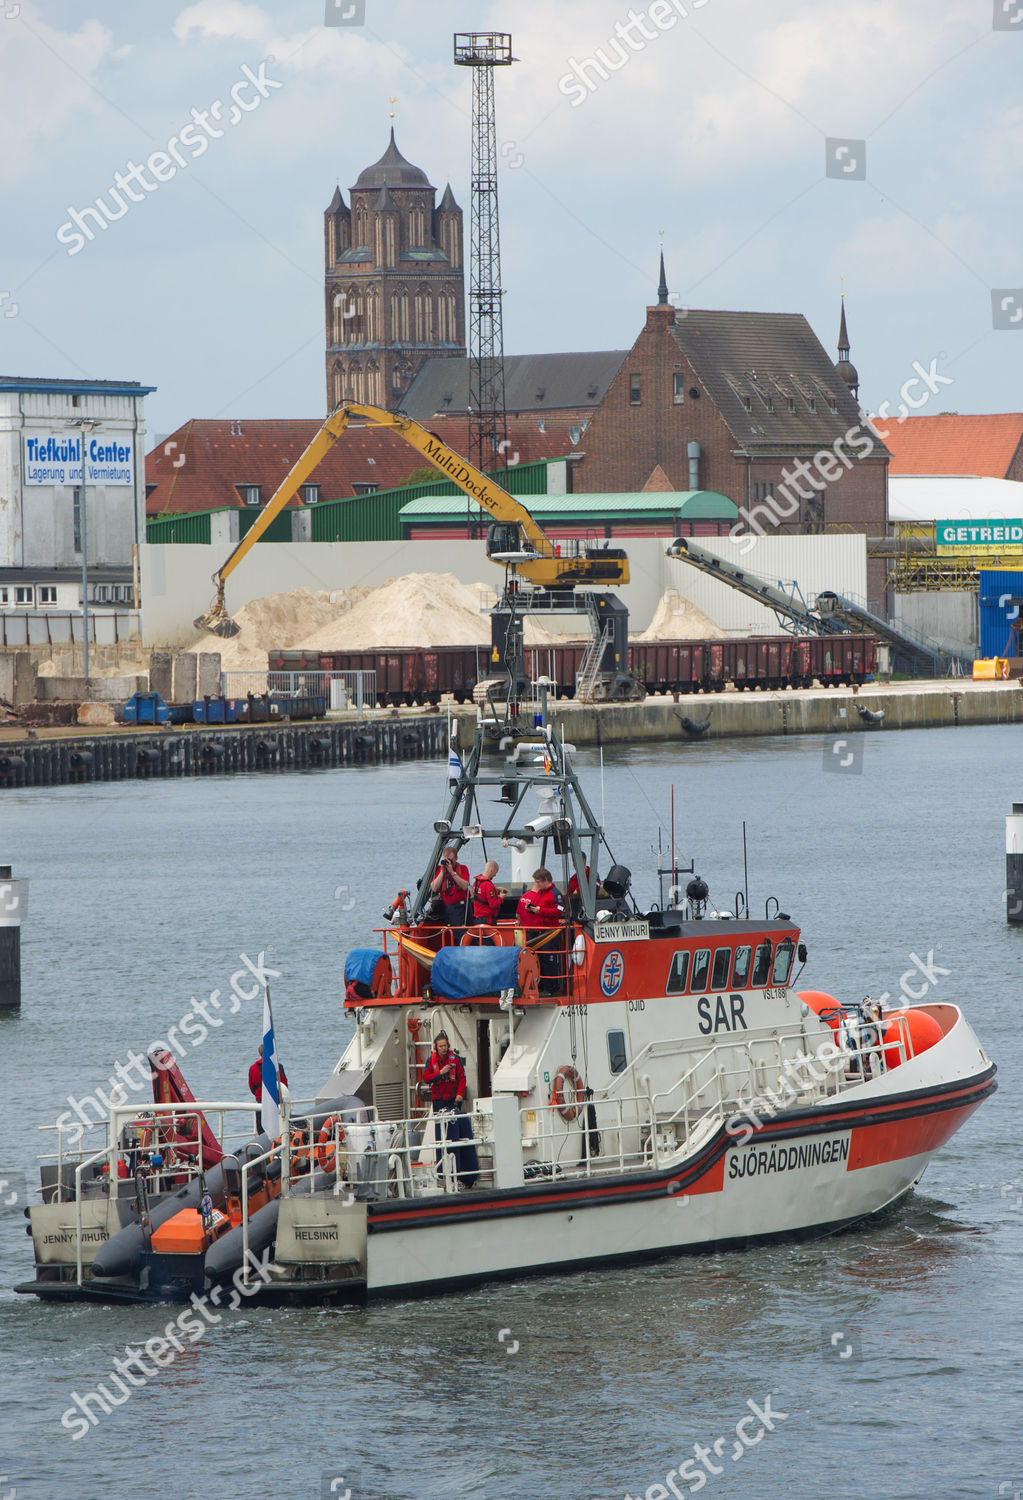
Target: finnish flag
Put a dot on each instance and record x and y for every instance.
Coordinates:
(270, 1103)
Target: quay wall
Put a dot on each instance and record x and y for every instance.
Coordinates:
(825, 711)
(55, 759)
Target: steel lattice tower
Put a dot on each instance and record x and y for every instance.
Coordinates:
(483, 51)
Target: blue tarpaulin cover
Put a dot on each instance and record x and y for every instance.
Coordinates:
(460, 973)
(360, 963)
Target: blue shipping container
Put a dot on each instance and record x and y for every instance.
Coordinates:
(996, 589)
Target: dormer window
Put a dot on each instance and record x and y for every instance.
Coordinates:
(251, 494)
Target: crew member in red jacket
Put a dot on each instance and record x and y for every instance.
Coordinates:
(541, 905)
(453, 1134)
(540, 909)
(451, 883)
(486, 896)
(256, 1084)
(445, 1075)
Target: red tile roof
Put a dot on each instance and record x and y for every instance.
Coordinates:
(199, 466)
(950, 444)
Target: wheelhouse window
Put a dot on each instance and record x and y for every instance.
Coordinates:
(678, 973)
(701, 971)
(722, 964)
(740, 969)
(761, 966)
(783, 962)
(616, 1051)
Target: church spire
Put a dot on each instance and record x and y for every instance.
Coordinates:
(662, 286)
(843, 335)
(845, 368)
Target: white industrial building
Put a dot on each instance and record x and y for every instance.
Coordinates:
(49, 507)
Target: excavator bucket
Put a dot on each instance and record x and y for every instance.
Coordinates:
(217, 620)
(217, 624)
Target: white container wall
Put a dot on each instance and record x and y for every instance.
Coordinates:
(176, 584)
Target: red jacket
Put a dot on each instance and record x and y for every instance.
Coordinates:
(486, 903)
(446, 1090)
(256, 1078)
(549, 903)
(450, 892)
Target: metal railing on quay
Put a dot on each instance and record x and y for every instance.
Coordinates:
(342, 690)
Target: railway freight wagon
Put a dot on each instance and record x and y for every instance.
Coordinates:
(756, 661)
(407, 675)
(404, 674)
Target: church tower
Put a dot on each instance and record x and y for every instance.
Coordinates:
(394, 282)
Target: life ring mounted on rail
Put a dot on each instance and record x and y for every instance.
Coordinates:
(568, 1109)
(325, 1145)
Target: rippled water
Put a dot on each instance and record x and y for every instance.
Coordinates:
(143, 895)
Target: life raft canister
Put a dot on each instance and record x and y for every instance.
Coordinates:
(567, 1074)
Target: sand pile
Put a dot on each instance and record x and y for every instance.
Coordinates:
(677, 618)
(421, 609)
(273, 623)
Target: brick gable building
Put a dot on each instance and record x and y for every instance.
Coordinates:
(748, 404)
(394, 282)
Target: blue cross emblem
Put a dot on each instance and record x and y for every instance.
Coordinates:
(612, 972)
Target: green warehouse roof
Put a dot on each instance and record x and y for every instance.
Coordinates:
(685, 505)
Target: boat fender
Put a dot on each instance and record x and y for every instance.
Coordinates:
(567, 1074)
(122, 1254)
(226, 1254)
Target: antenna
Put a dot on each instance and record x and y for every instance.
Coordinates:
(745, 865)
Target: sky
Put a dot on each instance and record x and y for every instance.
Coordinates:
(782, 151)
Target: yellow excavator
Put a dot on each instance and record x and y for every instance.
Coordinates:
(514, 540)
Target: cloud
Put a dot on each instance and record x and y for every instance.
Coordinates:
(48, 81)
(314, 50)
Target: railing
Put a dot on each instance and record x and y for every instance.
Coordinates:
(342, 690)
(417, 1157)
(40, 627)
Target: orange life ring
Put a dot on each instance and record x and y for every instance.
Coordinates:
(568, 1074)
(479, 932)
(324, 1151)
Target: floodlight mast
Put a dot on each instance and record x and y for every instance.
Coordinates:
(483, 51)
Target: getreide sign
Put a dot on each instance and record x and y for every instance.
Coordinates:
(55, 458)
(970, 536)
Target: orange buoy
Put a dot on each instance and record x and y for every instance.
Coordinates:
(917, 1027)
(568, 1094)
(824, 1005)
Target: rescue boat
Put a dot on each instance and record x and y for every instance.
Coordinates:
(644, 1079)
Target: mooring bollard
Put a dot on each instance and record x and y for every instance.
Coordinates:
(1014, 864)
(13, 902)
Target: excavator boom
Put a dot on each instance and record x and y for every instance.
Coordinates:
(516, 541)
